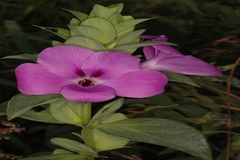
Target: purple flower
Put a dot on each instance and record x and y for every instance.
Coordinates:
(165, 58)
(83, 75)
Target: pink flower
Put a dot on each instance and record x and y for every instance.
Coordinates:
(165, 58)
(83, 75)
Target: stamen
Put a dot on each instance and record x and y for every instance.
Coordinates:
(86, 82)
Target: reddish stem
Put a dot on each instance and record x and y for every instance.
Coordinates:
(228, 92)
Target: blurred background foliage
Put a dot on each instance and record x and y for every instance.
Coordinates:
(209, 30)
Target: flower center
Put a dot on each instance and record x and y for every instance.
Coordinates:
(86, 82)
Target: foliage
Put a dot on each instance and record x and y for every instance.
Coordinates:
(206, 29)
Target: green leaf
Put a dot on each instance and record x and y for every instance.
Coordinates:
(105, 26)
(124, 30)
(63, 33)
(81, 16)
(140, 44)
(130, 38)
(87, 31)
(125, 25)
(103, 12)
(227, 67)
(180, 78)
(116, 18)
(67, 111)
(29, 57)
(192, 110)
(42, 116)
(77, 134)
(75, 22)
(91, 15)
(85, 43)
(56, 43)
(162, 132)
(3, 108)
(74, 146)
(104, 141)
(131, 50)
(61, 151)
(108, 109)
(126, 39)
(116, 8)
(21, 103)
(113, 118)
(57, 157)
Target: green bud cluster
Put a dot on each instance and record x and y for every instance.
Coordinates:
(104, 29)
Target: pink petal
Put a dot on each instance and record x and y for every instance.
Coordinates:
(150, 63)
(65, 61)
(188, 65)
(105, 65)
(161, 38)
(159, 47)
(34, 79)
(166, 58)
(149, 52)
(141, 84)
(95, 93)
(166, 49)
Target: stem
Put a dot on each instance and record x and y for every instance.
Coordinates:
(87, 131)
(88, 137)
(229, 83)
(86, 113)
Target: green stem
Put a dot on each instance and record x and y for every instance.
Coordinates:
(87, 131)
(88, 139)
(86, 113)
